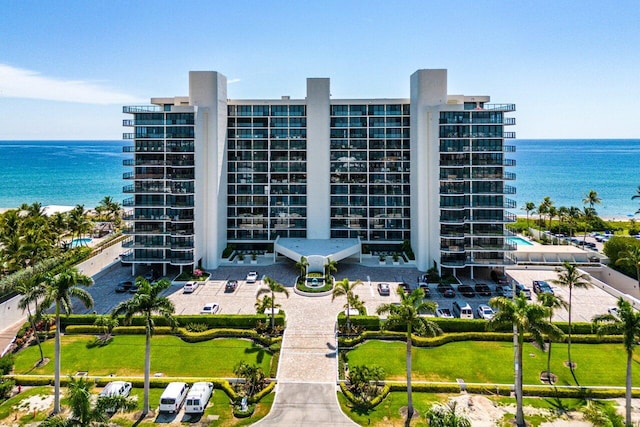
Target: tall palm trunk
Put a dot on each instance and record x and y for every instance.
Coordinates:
(409, 391)
(35, 332)
(519, 412)
(147, 370)
(549, 356)
(56, 390)
(273, 314)
(627, 393)
(573, 374)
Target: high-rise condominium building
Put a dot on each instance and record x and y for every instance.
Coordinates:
(301, 175)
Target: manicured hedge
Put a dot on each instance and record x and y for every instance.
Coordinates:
(464, 336)
(368, 323)
(262, 393)
(235, 321)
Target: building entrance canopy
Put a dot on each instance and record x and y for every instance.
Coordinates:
(335, 249)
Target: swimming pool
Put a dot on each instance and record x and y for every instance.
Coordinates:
(80, 242)
(519, 241)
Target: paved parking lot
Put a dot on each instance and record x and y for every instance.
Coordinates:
(586, 302)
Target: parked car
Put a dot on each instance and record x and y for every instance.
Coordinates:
(462, 310)
(504, 291)
(198, 397)
(483, 289)
(383, 289)
(467, 291)
(150, 276)
(173, 397)
(425, 288)
(613, 311)
(522, 289)
(114, 389)
(405, 287)
(485, 312)
(124, 286)
(210, 308)
(252, 277)
(134, 288)
(540, 286)
(446, 290)
(444, 312)
(499, 277)
(231, 285)
(190, 287)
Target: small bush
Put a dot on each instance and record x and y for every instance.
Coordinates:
(196, 327)
(6, 363)
(5, 388)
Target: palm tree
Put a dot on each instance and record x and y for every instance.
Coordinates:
(529, 207)
(302, 265)
(147, 302)
(263, 304)
(330, 267)
(59, 290)
(407, 314)
(543, 209)
(345, 287)
(627, 323)
(552, 212)
(272, 287)
(631, 258)
(552, 302)
(525, 318)
(636, 196)
(111, 207)
(571, 278)
(31, 289)
(592, 199)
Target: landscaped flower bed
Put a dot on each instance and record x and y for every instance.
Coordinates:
(197, 275)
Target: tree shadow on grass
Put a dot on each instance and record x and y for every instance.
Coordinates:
(100, 341)
(259, 350)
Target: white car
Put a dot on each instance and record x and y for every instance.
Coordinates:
(485, 312)
(613, 311)
(189, 287)
(252, 277)
(444, 313)
(210, 308)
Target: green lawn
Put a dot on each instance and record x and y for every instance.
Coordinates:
(492, 362)
(124, 356)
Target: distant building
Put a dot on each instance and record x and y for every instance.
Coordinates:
(208, 171)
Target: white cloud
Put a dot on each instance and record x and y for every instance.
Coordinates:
(21, 83)
(232, 81)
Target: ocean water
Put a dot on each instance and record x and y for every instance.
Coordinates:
(567, 169)
(83, 172)
(60, 172)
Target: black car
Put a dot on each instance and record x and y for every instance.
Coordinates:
(446, 290)
(467, 291)
(483, 289)
(133, 289)
(540, 286)
(499, 277)
(425, 289)
(231, 285)
(124, 286)
(405, 287)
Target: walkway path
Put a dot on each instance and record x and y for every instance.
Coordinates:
(307, 374)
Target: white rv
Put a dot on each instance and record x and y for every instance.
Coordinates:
(173, 397)
(198, 396)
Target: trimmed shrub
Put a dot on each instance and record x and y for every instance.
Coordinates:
(6, 363)
(262, 393)
(367, 323)
(236, 321)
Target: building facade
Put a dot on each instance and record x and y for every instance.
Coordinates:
(430, 170)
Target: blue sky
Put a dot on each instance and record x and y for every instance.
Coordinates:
(66, 68)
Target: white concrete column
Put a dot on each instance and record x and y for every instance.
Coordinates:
(208, 93)
(318, 159)
(428, 96)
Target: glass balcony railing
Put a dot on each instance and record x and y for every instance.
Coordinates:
(142, 109)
